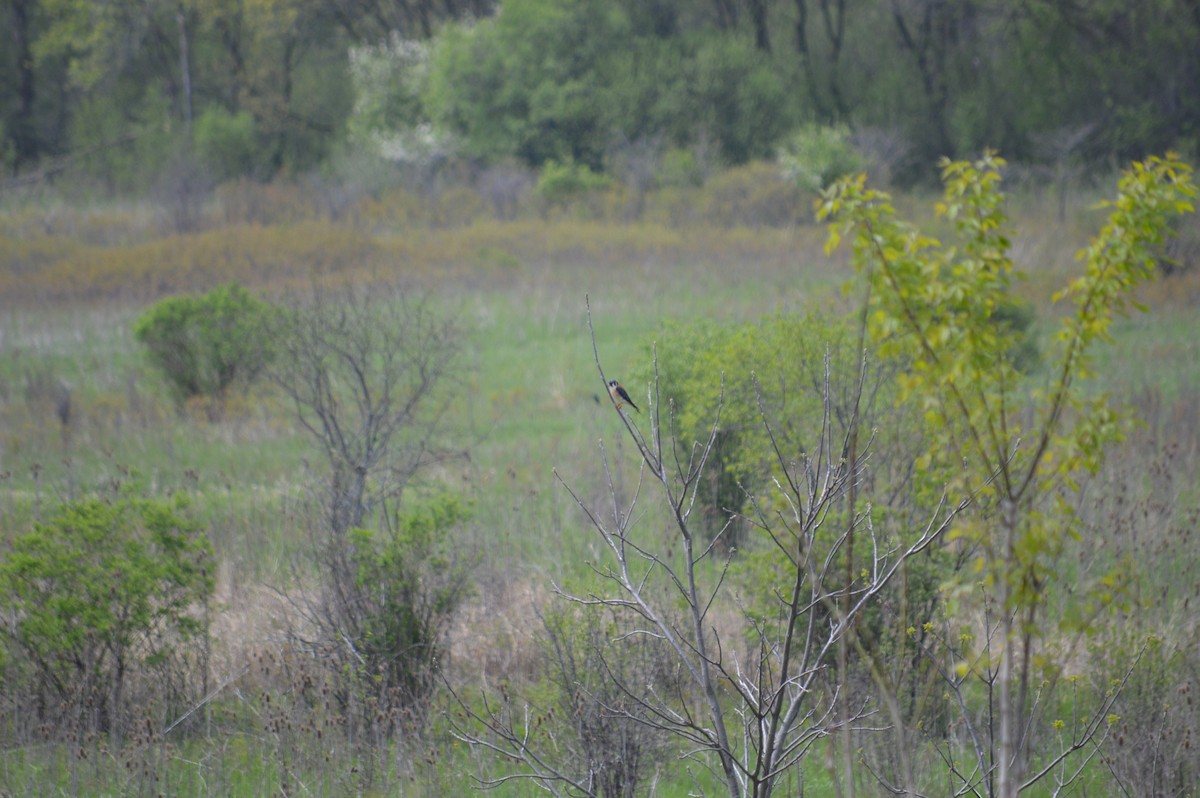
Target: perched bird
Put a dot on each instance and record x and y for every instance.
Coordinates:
(619, 395)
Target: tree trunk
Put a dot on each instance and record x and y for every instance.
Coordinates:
(762, 33)
(1007, 779)
(185, 67)
(24, 138)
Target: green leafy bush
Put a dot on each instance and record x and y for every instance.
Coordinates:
(560, 183)
(101, 592)
(226, 143)
(206, 344)
(408, 583)
(773, 367)
(816, 155)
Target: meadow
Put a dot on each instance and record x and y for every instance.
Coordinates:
(80, 409)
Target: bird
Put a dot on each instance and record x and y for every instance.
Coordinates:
(619, 395)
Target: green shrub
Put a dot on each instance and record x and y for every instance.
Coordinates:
(100, 593)
(773, 371)
(408, 583)
(560, 183)
(226, 143)
(206, 344)
(779, 362)
(816, 155)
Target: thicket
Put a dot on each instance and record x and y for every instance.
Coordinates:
(369, 371)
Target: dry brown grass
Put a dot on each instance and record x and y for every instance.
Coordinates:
(495, 635)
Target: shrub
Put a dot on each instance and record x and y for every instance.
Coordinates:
(560, 183)
(206, 344)
(754, 195)
(102, 592)
(371, 373)
(816, 155)
(226, 142)
(409, 582)
(703, 365)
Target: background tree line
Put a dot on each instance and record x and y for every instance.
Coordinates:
(125, 91)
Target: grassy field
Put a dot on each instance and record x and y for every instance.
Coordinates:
(80, 408)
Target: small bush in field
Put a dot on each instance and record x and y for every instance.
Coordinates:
(408, 583)
(101, 592)
(754, 195)
(562, 182)
(206, 344)
(817, 155)
(226, 142)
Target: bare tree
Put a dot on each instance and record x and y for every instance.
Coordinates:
(750, 700)
(368, 369)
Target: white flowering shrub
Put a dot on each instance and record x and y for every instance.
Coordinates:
(388, 115)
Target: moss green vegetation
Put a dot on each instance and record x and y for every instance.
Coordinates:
(80, 409)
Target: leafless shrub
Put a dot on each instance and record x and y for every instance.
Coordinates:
(885, 150)
(506, 187)
(184, 187)
(368, 371)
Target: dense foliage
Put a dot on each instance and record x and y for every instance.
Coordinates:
(101, 595)
(409, 581)
(117, 91)
(205, 345)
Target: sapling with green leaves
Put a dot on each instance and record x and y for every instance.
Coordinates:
(1018, 448)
